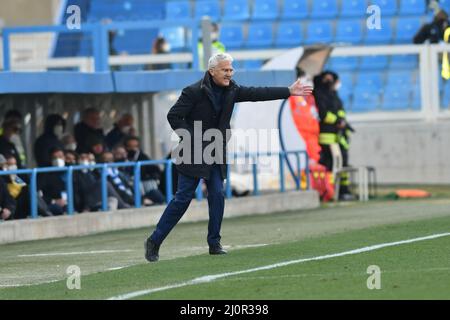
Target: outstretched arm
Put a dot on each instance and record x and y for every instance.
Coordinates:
(272, 93)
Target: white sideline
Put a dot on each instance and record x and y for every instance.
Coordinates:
(210, 278)
(72, 253)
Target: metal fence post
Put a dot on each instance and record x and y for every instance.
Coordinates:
(33, 194)
(199, 191)
(69, 188)
(6, 52)
(255, 177)
(104, 188)
(299, 171)
(137, 185)
(228, 193)
(169, 187)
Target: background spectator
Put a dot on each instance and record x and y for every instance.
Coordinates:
(10, 129)
(89, 130)
(119, 181)
(160, 46)
(7, 203)
(122, 128)
(434, 31)
(15, 139)
(150, 174)
(69, 142)
(53, 184)
(54, 128)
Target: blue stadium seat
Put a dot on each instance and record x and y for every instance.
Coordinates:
(380, 36)
(232, 36)
(388, 7)
(365, 99)
(209, 8)
(252, 64)
(416, 99)
(295, 9)
(349, 31)
(265, 9)
(445, 4)
(353, 8)
(324, 9)
(319, 32)
(289, 34)
(260, 34)
(236, 10)
(399, 79)
(178, 10)
(445, 97)
(396, 98)
(374, 63)
(412, 7)
(175, 36)
(404, 61)
(406, 29)
(340, 64)
(372, 79)
(345, 93)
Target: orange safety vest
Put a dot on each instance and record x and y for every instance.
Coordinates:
(306, 119)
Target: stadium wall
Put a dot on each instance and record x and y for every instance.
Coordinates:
(412, 152)
(91, 223)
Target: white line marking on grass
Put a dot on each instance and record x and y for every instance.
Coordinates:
(209, 278)
(73, 253)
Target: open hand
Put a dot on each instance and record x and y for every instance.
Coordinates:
(299, 89)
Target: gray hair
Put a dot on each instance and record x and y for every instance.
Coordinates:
(216, 58)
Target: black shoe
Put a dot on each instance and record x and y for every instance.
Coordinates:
(217, 249)
(151, 250)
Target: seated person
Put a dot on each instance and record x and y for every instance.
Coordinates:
(7, 202)
(434, 31)
(53, 184)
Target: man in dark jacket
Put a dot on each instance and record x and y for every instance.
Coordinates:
(10, 129)
(208, 102)
(122, 128)
(88, 130)
(7, 202)
(54, 128)
(434, 31)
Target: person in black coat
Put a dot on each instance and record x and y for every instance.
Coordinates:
(54, 128)
(7, 202)
(89, 130)
(209, 103)
(7, 147)
(122, 128)
(434, 31)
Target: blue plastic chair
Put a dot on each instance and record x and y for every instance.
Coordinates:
(353, 8)
(319, 32)
(372, 79)
(416, 99)
(396, 98)
(232, 36)
(412, 7)
(374, 63)
(178, 10)
(365, 99)
(388, 8)
(252, 64)
(265, 9)
(295, 9)
(380, 36)
(260, 34)
(445, 4)
(324, 9)
(340, 64)
(404, 61)
(210, 8)
(175, 36)
(289, 34)
(349, 31)
(236, 10)
(406, 29)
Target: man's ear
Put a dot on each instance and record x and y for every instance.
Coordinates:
(211, 72)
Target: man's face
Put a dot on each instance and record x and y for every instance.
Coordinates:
(120, 154)
(108, 157)
(93, 120)
(222, 73)
(132, 145)
(70, 158)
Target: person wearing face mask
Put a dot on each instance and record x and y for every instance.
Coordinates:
(10, 129)
(51, 138)
(7, 202)
(53, 184)
(160, 46)
(15, 138)
(330, 115)
(122, 128)
(150, 174)
(216, 45)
